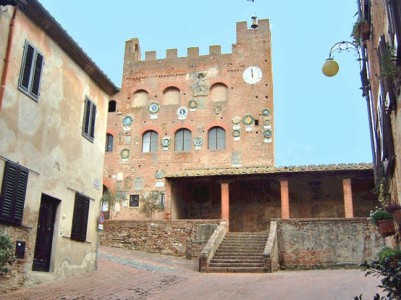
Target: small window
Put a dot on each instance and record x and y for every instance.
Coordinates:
(133, 200)
(31, 71)
(112, 106)
(162, 201)
(80, 218)
(88, 127)
(13, 191)
(109, 142)
(183, 140)
(149, 142)
(217, 138)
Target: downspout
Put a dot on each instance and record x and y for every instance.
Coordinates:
(7, 58)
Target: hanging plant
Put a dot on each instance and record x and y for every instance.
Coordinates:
(388, 68)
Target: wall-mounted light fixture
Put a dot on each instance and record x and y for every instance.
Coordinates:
(330, 67)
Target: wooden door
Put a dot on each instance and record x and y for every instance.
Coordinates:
(44, 235)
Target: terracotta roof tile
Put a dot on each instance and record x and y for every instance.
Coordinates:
(269, 170)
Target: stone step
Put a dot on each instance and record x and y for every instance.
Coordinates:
(235, 269)
(237, 260)
(237, 265)
(238, 256)
(239, 250)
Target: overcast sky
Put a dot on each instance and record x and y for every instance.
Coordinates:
(318, 120)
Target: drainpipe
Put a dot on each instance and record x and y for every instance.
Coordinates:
(7, 58)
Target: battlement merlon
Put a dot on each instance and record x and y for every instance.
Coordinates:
(244, 35)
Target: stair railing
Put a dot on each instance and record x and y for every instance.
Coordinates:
(270, 253)
(211, 247)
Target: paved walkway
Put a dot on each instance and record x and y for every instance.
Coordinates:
(124, 275)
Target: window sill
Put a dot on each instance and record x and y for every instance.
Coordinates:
(68, 237)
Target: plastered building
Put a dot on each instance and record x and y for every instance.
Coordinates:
(53, 114)
(380, 42)
(195, 134)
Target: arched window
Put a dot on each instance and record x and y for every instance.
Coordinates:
(183, 140)
(149, 142)
(112, 106)
(217, 138)
(219, 92)
(171, 95)
(140, 98)
(109, 142)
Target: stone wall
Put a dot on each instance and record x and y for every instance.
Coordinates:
(326, 243)
(15, 277)
(183, 238)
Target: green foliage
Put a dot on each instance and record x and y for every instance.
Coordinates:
(388, 269)
(150, 204)
(388, 69)
(388, 252)
(109, 198)
(379, 214)
(6, 251)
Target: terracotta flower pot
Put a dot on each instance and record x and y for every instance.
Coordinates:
(386, 227)
(397, 216)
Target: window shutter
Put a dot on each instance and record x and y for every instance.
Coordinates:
(80, 218)
(13, 193)
(85, 128)
(37, 74)
(93, 120)
(27, 67)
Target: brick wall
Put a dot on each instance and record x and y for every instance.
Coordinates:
(184, 238)
(326, 243)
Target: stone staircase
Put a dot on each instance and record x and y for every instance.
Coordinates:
(240, 252)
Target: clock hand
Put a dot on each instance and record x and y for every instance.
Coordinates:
(252, 73)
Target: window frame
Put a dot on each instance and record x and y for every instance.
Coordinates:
(31, 71)
(89, 120)
(151, 143)
(132, 198)
(13, 193)
(215, 140)
(79, 226)
(109, 142)
(183, 143)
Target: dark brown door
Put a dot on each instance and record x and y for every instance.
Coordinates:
(44, 235)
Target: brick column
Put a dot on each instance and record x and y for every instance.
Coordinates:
(348, 205)
(225, 201)
(285, 200)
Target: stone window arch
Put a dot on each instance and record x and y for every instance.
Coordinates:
(219, 92)
(171, 96)
(140, 98)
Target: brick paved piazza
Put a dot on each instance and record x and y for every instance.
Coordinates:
(124, 274)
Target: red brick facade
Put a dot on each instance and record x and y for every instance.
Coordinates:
(216, 85)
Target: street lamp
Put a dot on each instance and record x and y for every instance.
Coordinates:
(330, 67)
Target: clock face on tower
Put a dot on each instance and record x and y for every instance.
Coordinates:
(252, 74)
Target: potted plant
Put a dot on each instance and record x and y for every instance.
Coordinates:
(395, 210)
(383, 220)
(360, 30)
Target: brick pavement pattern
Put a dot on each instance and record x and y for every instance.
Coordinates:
(126, 275)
